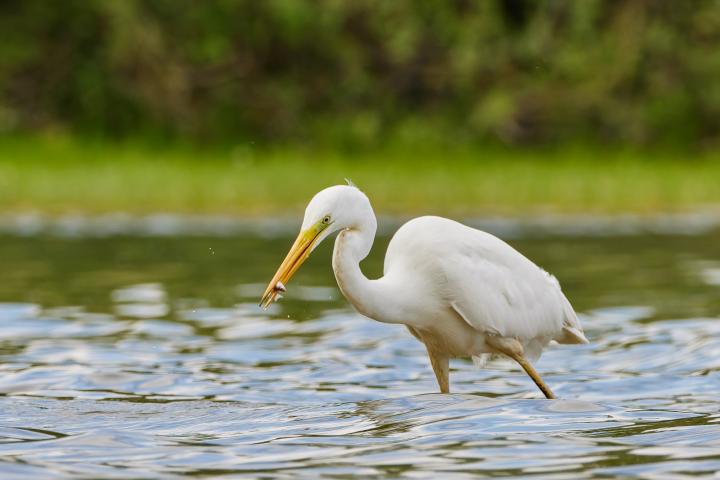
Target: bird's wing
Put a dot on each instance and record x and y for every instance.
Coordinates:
(493, 287)
(497, 290)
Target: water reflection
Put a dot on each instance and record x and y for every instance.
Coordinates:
(132, 357)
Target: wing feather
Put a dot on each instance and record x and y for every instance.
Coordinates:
(498, 290)
(489, 284)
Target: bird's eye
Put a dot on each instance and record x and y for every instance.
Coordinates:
(326, 219)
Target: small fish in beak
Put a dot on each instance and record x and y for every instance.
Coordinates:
(298, 253)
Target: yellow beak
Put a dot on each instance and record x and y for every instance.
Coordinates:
(299, 252)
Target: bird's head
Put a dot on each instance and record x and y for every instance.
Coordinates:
(333, 209)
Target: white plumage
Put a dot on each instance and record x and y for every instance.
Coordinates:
(461, 291)
(476, 276)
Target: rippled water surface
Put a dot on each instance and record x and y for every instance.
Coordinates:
(147, 357)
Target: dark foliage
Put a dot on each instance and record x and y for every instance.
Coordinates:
(365, 71)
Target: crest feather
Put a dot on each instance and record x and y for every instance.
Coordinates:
(350, 183)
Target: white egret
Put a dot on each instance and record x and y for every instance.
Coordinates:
(460, 291)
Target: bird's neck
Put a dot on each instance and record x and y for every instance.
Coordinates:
(369, 297)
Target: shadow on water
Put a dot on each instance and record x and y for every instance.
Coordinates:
(137, 356)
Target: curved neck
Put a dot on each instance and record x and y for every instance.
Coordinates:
(369, 297)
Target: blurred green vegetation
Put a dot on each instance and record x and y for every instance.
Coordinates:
(453, 107)
(59, 175)
(364, 72)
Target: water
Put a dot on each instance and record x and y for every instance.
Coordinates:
(146, 357)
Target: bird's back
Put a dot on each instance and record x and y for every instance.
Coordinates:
(493, 287)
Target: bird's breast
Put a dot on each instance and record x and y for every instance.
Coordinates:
(449, 335)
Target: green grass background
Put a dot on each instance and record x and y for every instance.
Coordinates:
(60, 175)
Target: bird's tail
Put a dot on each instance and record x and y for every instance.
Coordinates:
(571, 334)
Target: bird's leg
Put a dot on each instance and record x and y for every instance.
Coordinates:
(441, 367)
(513, 349)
